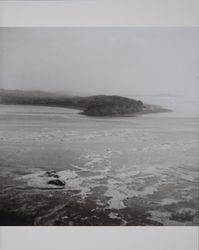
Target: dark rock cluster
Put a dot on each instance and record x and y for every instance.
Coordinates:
(56, 181)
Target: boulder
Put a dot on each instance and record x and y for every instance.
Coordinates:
(56, 182)
(52, 173)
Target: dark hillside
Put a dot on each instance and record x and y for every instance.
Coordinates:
(100, 105)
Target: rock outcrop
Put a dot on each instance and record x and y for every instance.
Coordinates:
(56, 182)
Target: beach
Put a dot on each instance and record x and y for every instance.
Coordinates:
(140, 170)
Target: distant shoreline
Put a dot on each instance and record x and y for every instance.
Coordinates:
(98, 105)
(150, 109)
(153, 108)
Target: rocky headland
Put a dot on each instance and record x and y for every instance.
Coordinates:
(98, 105)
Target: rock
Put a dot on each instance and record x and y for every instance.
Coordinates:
(52, 173)
(56, 182)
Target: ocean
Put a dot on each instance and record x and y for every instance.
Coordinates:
(132, 170)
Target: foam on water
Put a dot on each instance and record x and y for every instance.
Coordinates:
(152, 158)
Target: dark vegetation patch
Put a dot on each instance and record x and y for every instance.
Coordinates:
(100, 105)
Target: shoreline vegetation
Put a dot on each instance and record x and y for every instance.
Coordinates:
(97, 105)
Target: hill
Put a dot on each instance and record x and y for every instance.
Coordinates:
(100, 105)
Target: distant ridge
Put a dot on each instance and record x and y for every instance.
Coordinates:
(99, 105)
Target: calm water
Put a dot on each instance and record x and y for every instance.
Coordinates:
(132, 170)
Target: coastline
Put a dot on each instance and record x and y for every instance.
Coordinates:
(153, 108)
(148, 109)
(22, 203)
(95, 105)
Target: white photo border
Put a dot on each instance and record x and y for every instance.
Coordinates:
(96, 13)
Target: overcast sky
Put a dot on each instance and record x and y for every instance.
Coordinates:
(101, 60)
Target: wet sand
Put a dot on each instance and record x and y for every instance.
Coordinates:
(117, 171)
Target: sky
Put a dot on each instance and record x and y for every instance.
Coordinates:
(101, 60)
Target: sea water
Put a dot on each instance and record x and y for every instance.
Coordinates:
(138, 170)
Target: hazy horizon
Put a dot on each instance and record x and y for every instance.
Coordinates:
(122, 61)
